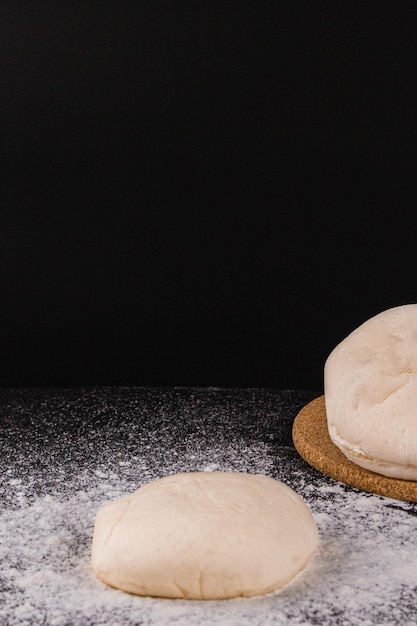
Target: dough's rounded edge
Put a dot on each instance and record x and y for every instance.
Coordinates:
(312, 442)
(101, 569)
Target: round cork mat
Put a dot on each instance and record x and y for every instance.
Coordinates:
(313, 444)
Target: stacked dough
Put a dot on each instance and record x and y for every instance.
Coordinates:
(370, 385)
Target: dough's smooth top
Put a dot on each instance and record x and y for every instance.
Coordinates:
(370, 388)
(204, 535)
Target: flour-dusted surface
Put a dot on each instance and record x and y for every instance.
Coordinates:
(66, 452)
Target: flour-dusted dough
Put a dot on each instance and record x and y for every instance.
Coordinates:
(370, 387)
(204, 535)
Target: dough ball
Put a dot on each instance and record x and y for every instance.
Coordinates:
(204, 535)
(370, 388)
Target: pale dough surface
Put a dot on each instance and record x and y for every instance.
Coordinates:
(204, 535)
(370, 388)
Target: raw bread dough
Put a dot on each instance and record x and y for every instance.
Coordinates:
(370, 388)
(204, 535)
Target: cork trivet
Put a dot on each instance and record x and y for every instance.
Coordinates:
(313, 444)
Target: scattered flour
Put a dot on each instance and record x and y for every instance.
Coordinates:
(364, 572)
(365, 562)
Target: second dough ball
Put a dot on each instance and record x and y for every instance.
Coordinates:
(370, 388)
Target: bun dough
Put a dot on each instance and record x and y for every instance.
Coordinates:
(370, 387)
(204, 535)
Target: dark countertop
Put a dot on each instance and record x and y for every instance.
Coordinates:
(64, 452)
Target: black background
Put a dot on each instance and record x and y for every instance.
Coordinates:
(201, 193)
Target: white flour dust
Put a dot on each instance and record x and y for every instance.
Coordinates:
(365, 563)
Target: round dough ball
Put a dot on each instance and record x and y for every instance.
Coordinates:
(204, 535)
(370, 388)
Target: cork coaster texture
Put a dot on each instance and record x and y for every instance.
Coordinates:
(313, 444)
